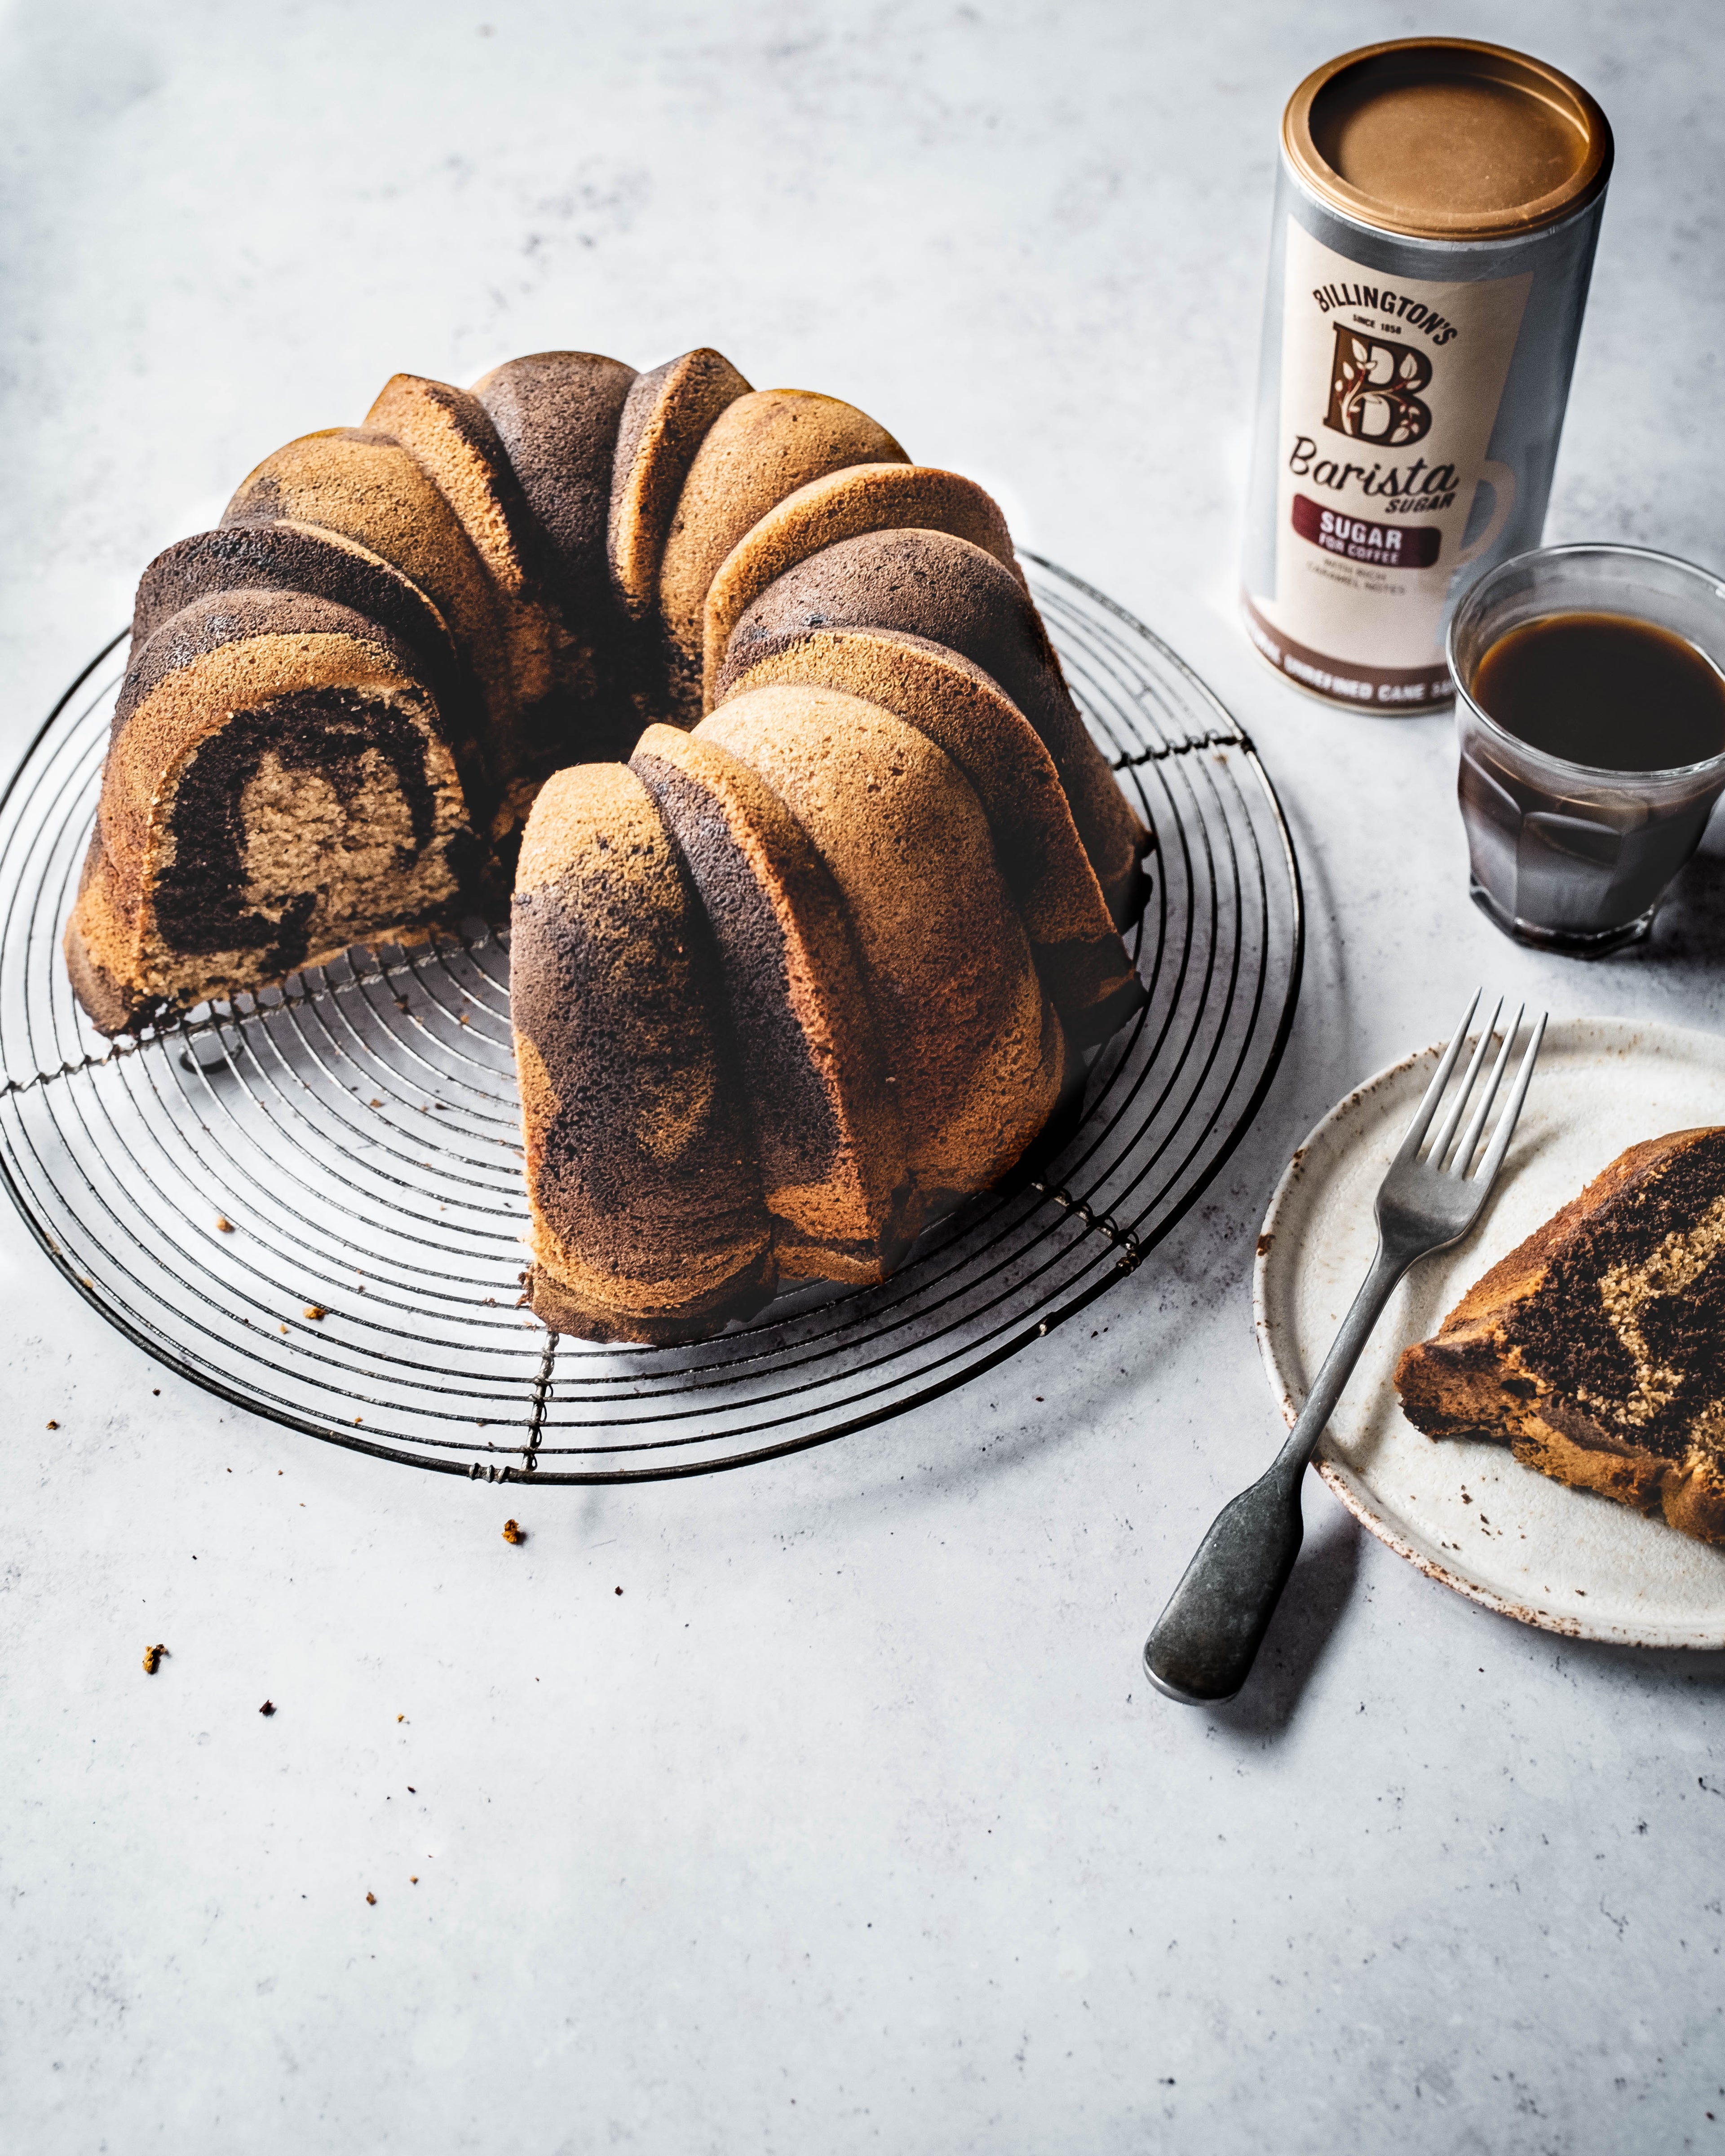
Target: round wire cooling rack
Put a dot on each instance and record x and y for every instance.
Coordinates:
(310, 1202)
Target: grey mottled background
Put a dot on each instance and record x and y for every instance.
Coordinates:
(850, 1825)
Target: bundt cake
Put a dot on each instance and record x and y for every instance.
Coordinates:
(818, 878)
(1596, 1349)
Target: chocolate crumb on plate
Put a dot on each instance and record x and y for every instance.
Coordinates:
(268, 1708)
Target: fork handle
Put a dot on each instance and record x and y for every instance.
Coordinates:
(1202, 1647)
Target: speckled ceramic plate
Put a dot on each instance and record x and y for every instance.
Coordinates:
(1465, 1512)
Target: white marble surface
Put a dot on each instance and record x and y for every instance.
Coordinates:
(849, 1824)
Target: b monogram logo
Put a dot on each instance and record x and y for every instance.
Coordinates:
(1374, 390)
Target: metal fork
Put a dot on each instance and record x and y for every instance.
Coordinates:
(1203, 1643)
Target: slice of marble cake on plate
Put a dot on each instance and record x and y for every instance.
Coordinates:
(1596, 1349)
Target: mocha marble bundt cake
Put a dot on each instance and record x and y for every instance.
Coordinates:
(1596, 1349)
(788, 977)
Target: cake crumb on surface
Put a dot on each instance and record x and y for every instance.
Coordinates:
(316, 1309)
(152, 1658)
(53, 1425)
(268, 1708)
(223, 1225)
(372, 1899)
(513, 1532)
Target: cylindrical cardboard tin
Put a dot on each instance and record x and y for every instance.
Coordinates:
(1436, 210)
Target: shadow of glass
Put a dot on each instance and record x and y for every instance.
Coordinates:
(1304, 1624)
(1689, 929)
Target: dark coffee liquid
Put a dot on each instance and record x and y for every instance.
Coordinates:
(1605, 689)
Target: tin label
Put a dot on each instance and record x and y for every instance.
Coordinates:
(1389, 392)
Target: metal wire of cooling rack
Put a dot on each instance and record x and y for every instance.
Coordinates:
(310, 1202)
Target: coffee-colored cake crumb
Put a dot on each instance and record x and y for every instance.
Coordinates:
(1596, 1349)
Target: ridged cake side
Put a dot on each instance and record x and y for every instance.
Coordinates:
(843, 505)
(1080, 955)
(975, 1051)
(760, 449)
(666, 417)
(558, 414)
(827, 1130)
(936, 586)
(648, 1222)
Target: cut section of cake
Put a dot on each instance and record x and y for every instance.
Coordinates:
(278, 787)
(1596, 1349)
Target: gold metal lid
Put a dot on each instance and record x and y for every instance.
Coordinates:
(1446, 138)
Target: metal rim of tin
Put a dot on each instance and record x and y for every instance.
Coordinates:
(1533, 78)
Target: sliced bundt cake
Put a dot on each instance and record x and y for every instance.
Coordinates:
(785, 985)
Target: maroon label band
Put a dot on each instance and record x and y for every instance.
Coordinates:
(1386, 545)
(1383, 688)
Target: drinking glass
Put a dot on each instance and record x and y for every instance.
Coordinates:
(1563, 855)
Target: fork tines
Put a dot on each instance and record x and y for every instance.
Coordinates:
(1456, 1162)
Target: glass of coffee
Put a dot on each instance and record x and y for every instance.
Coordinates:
(1590, 705)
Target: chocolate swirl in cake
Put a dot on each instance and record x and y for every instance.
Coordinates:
(1596, 1350)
